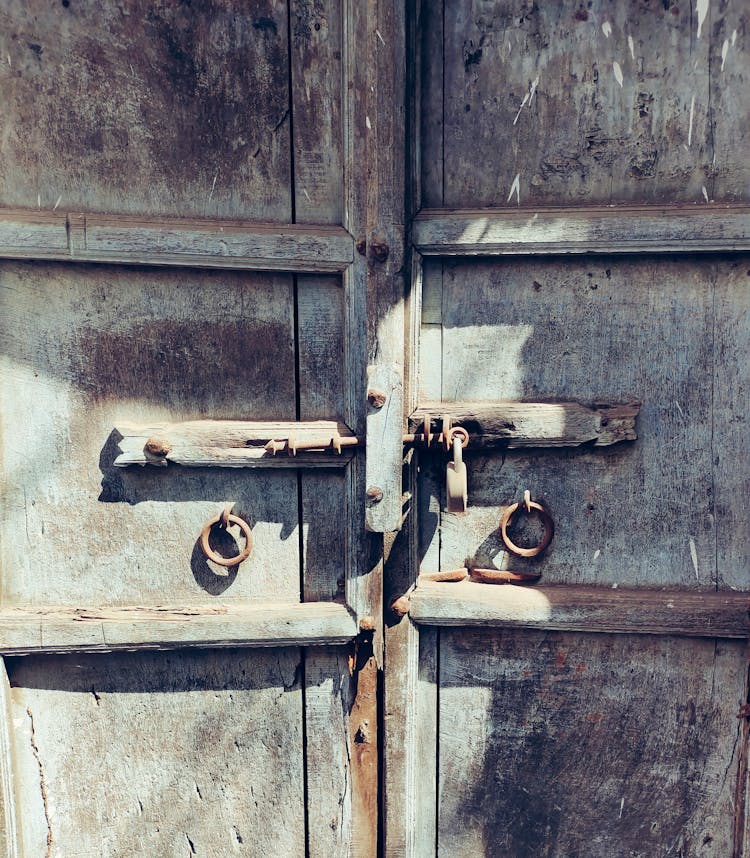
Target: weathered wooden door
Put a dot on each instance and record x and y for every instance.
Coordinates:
(190, 240)
(580, 182)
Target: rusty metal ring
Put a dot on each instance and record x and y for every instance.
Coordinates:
(224, 519)
(549, 528)
(461, 433)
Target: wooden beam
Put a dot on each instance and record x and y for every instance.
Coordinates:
(510, 425)
(231, 444)
(652, 229)
(24, 631)
(582, 608)
(204, 243)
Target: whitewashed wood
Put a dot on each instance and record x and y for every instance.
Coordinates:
(621, 229)
(590, 609)
(143, 753)
(427, 760)
(385, 430)
(9, 843)
(230, 444)
(545, 744)
(85, 348)
(29, 630)
(637, 514)
(511, 425)
(155, 112)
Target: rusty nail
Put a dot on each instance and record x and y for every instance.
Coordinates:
(361, 246)
(400, 606)
(367, 624)
(158, 447)
(380, 250)
(744, 711)
(376, 397)
(375, 494)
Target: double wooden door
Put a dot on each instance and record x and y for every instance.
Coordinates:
(227, 224)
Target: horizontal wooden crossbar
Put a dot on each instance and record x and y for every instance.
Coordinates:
(582, 608)
(202, 243)
(25, 631)
(616, 229)
(509, 425)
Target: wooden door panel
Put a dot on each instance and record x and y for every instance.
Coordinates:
(556, 744)
(160, 753)
(582, 104)
(641, 513)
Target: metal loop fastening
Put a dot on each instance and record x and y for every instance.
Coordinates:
(223, 520)
(547, 522)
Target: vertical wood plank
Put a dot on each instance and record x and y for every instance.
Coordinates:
(431, 113)
(385, 427)
(10, 846)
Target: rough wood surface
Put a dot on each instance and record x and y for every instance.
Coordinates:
(498, 232)
(82, 349)
(546, 750)
(571, 608)
(9, 842)
(559, 104)
(167, 109)
(385, 431)
(148, 753)
(28, 630)
(510, 425)
(229, 443)
(638, 514)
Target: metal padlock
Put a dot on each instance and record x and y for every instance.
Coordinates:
(456, 480)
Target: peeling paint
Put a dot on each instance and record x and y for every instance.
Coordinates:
(631, 47)
(705, 193)
(694, 557)
(734, 41)
(515, 188)
(607, 29)
(724, 52)
(528, 98)
(692, 116)
(618, 72)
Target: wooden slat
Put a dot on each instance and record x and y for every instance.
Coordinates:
(24, 631)
(535, 424)
(581, 608)
(501, 232)
(199, 243)
(384, 450)
(228, 444)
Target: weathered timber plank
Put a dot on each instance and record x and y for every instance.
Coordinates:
(548, 744)
(500, 232)
(199, 125)
(148, 753)
(594, 609)
(628, 94)
(229, 443)
(510, 425)
(25, 631)
(85, 347)
(384, 449)
(599, 330)
(204, 243)
(9, 843)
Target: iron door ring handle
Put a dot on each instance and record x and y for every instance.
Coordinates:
(547, 522)
(224, 519)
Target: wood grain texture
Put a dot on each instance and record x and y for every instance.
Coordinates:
(594, 104)
(621, 229)
(9, 840)
(85, 348)
(229, 443)
(167, 109)
(593, 609)
(147, 753)
(545, 751)
(385, 430)
(634, 514)
(60, 630)
(510, 425)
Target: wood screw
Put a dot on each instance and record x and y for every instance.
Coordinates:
(374, 494)
(157, 447)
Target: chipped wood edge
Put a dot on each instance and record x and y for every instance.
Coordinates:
(7, 771)
(194, 243)
(512, 425)
(59, 630)
(583, 609)
(621, 229)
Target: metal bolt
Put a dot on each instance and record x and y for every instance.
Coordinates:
(400, 606)
(376, 397)
(379, 250)
(361, 246)
(367, 624)
(374, 494)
